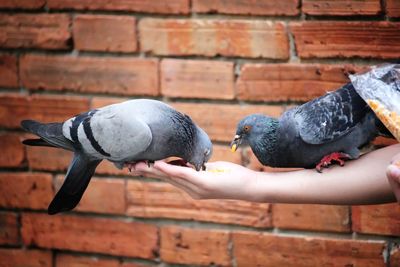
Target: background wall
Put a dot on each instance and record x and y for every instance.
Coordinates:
(215, 60)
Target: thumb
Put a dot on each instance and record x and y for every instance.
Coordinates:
(393, 171)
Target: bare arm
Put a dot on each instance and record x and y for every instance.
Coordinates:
(361, 181)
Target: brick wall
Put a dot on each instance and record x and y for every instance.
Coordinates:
(215, 60)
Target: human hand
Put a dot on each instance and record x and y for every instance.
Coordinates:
(220, 180)
(393, 175)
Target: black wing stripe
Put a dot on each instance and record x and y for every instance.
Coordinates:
(93, 141)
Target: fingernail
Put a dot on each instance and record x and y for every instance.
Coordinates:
(394, 170)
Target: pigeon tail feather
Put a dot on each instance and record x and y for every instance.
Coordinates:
(76, 181)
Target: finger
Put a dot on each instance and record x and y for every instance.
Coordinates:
(393, 171)
(176, 171)
(142, 168)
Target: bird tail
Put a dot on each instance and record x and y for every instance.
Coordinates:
(75, 183)
(50, 134)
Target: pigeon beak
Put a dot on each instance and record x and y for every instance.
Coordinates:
(237, 140)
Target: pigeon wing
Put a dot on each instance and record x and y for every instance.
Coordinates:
(328, 117)
(116, 133)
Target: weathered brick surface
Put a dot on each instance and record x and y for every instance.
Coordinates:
(101, 196)
(25, 190)
(162, 200)
(194, 246)
(377, 219)
(48, 159)
(197, 79)
(9, 228)
(220, 120)
(393, 8)
(163, 7)
(238, 38)
(13, 151)
(106, 236)
(22, 4)
(8, 71)
(312, 217)
(15, 108)
(258, 249)
(45, 31)
(65, 260)
(118, 75)
(395, 256)
(341, 7)
(52, 159)
(344, 39)
(224, 153)
(283, 82)
(25, 258)
(263, 7)
(105, 33)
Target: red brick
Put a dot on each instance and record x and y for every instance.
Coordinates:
(25, 190)
(8, 71)
(46, 31)
(25, 258)
(311, 217)
(48, 159)
(14, 108)
(51, 159)
(341, 7)
(220, 120)
(197, 79)
(108, 168)
(163, 7)
(377, 219)
(238, 38)
(134, 264)
(162, 200)
(105, 33)
(224, 153)
(86, 234)
(395, 256)
(9, 231)
(65, 260)
(117, 75)
(112, 190)
(263, 7)
(297, 82)
(190, 246)
(383, 141)
(344, 39)
(258, 249)
(98, 102)
(23, 4)
(13, 151)
(393, 8)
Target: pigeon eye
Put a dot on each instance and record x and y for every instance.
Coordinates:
(247, 128)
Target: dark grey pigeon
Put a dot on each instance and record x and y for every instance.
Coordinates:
(124, 133)
(330, 128)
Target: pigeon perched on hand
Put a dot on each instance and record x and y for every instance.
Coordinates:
(328, 129)
(124, 133)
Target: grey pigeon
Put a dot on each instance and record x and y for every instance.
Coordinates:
(330, 128)
(128, 132)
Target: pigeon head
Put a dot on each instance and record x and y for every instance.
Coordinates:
(251, 128)
(202, 150)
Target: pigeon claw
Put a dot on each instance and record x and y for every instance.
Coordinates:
(150, 163)
(328, 160)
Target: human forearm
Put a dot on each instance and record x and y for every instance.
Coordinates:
(361, 181)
